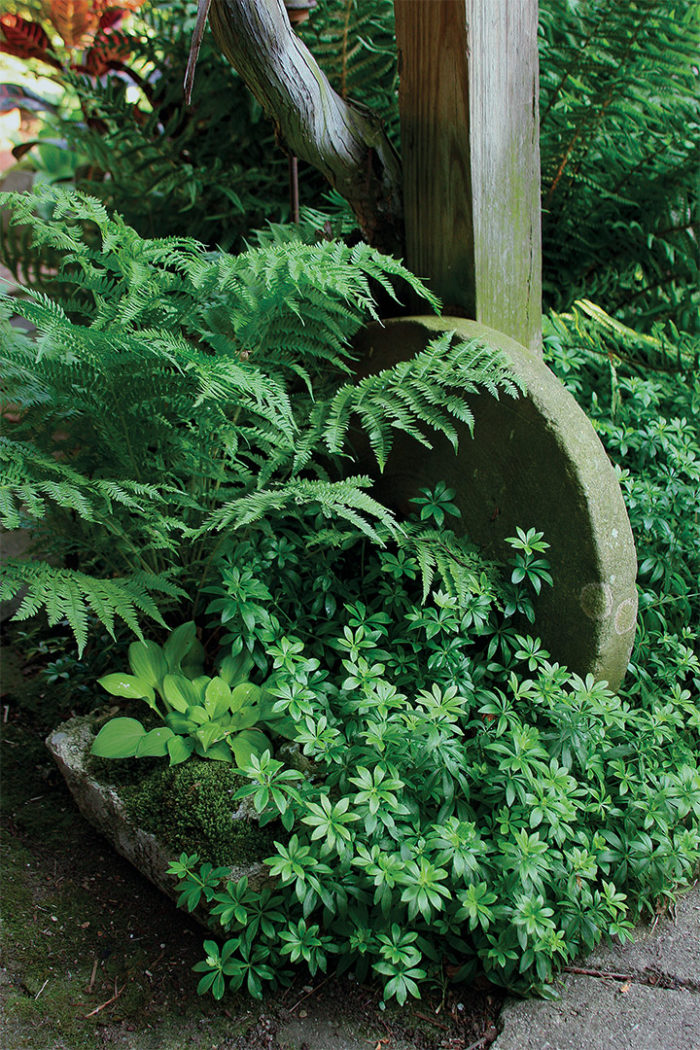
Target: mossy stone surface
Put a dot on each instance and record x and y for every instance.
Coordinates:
(534, 461)
(149, 845)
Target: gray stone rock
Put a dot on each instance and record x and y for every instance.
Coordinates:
(101, 805)
(596, 1014)
(534, 462)
(630, 1011)
(325, 1028)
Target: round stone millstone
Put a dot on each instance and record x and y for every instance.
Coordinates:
(534, 461)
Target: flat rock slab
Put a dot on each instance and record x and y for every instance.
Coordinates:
(671, 949)
(535, 461)
(651, 1003)
(596, 1014)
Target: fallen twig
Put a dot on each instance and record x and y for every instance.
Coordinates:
(91, 985)
(320, 985)
(152, 966)
(117, 993)
(41, 989)
(598, 973)
(438, 1024)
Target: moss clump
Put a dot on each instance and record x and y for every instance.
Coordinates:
(190, 808)
(122, 773)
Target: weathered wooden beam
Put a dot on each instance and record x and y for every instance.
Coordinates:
(470, 150)
(344, 141)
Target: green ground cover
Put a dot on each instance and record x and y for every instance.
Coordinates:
(185, 437)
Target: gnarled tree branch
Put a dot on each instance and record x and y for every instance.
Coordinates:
(344, 141)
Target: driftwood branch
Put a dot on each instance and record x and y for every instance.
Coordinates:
(344, 141)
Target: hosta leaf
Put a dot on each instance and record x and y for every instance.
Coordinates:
(179, 723)
(193, 660)
(148, 663)
(208, 734)
(217, 698)
(155, 743)
(127, 685)
(119, 738)
(180, 693)
(283, 725)
(235, 669)
(198, 715)
(245, 695)
(178, 645)
(179, 748)
(219, 752)
(244, 719)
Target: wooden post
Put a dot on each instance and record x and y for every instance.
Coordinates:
(469, 131)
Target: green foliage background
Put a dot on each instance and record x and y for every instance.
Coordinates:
(477, 801)
(173, 398)
(620, 142)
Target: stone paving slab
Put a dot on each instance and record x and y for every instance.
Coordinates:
(652, 1004)
(596, 1014)
(672, 948)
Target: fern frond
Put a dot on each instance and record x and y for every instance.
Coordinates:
(458, 564)
(195, 392)
(355, 44)
(347, 500)
(63, 593)
(426, 392)
(30, 478)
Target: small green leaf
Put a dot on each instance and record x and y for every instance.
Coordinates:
(155, 743)
(119, 738)
(179, 749)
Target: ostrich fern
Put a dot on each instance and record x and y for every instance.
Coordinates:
(177, 398)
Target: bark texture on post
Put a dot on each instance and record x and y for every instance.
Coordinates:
(345, 142)
(470, 145)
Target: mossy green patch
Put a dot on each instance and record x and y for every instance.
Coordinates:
(190, 808)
